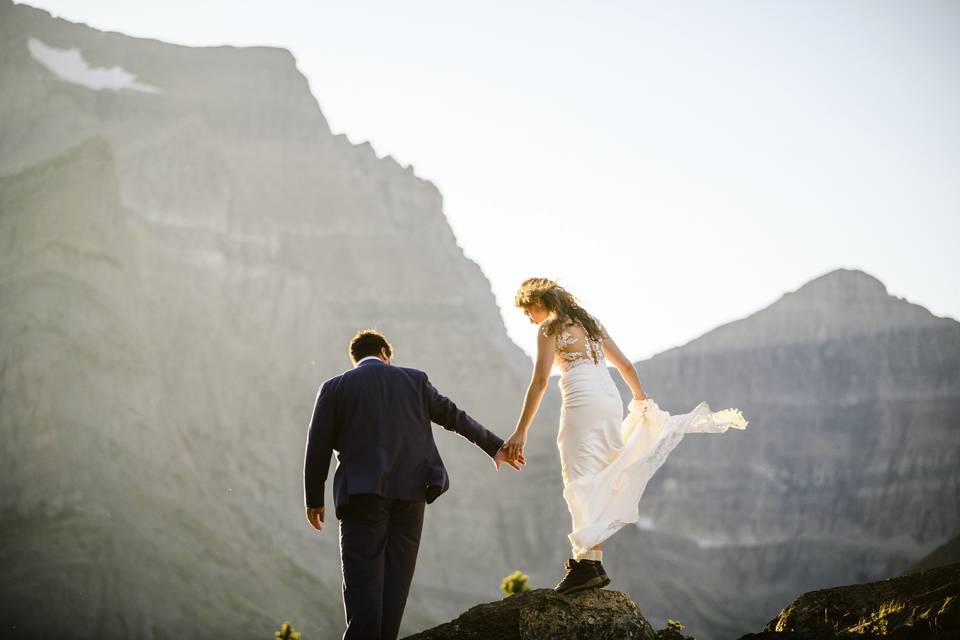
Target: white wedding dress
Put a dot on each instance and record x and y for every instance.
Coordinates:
(606, 460)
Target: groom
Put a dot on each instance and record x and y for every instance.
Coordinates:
(377, 418)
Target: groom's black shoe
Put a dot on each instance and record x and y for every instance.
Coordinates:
(581, 574)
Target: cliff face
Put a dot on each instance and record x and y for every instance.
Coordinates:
(186, 250)
(855, 400)
(182, 267)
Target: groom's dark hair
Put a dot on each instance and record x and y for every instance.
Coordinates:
(368, 342)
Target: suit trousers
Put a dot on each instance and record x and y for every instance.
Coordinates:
(379, 541)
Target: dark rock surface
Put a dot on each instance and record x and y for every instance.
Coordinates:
(921, 605)
(543, 613)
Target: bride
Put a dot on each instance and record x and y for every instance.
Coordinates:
(605, 460)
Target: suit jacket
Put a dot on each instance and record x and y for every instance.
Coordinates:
(377, 418)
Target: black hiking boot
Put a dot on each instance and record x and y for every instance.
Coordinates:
(581, 574)
(601, 571)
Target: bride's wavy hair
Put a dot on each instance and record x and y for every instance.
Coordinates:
(559, 302)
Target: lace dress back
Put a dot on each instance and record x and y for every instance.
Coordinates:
(573, 347)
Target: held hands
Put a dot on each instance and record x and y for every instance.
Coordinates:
(315, 517)
(513, 447)
(501, 458)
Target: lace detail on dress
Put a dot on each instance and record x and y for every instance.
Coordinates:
(566, 357)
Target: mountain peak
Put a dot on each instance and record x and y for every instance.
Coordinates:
(847, 282)
(840, 304)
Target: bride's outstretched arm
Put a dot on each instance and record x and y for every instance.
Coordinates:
(629, 374)
(531, 403)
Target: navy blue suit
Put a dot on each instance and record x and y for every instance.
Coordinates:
(377, 417)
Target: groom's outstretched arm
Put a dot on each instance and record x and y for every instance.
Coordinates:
(446, 414)
(320, 441)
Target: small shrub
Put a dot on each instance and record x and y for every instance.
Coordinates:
(287, 632)
(515, 583)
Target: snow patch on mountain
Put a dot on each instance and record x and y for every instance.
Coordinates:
(69, 65)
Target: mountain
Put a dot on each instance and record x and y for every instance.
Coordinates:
(845, 304)
(847, 473)
(186, 249)
(182, 267)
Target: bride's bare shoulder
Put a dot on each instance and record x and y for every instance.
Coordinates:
(603, 329)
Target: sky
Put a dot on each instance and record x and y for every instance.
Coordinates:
(675, 165)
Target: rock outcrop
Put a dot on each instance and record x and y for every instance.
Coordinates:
(920, 606)
(543, 614)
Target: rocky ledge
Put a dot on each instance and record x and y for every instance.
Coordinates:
(543, 613)
(918, 606)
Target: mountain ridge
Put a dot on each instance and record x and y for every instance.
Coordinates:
(821, 310)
